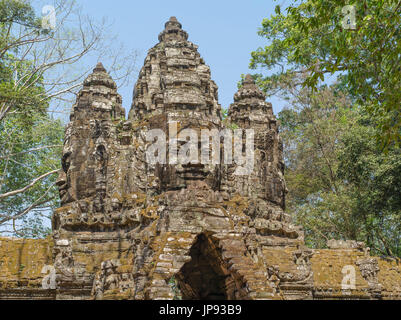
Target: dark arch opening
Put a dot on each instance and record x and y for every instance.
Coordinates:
(204, 277)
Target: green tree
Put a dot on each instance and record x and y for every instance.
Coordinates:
(27, 153)
(310, 40)
(340, 183)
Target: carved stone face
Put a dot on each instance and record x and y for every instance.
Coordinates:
(63, 181)
(84, 164)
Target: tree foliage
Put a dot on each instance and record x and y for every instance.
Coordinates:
(310, 39)
(30, 140)
(28, 152)
(340, 183)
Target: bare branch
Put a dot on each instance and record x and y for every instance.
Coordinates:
(15, 192)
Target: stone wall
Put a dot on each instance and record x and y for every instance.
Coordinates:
(26, 269)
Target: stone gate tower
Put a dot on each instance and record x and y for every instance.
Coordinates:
(130, 229)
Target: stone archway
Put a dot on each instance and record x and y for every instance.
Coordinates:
(205, 276)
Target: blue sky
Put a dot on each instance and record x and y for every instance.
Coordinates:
(225, 31)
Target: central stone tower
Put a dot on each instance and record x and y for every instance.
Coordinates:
(176, 92)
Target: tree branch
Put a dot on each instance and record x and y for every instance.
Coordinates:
(15, 192)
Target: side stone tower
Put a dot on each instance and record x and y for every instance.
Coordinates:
(265, 185)
(89, 225)
(88, 141)
(251, 111)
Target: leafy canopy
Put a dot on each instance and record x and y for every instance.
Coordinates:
(30, 140)
(340, 183)
(309, 39)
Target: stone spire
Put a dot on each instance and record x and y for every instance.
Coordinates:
(250, 108)
(249, 80)
(100, 77)
(249, 90)
(173, 31)
(175, 78)
(98, 98)
(99, 67)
